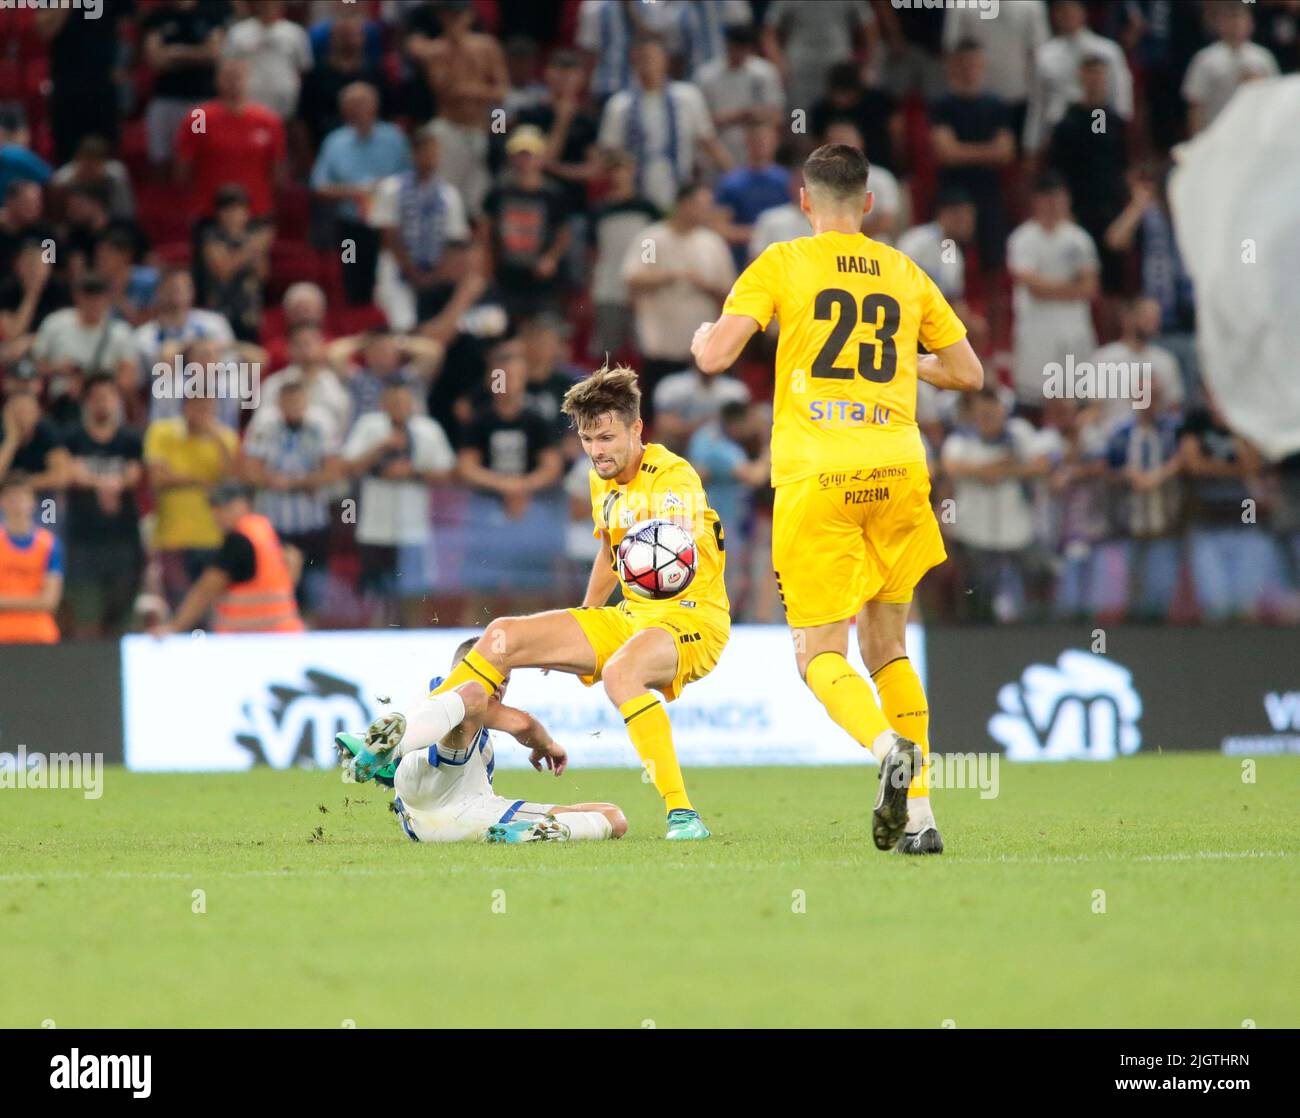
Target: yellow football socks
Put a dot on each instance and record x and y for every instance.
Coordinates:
(905, 705)
(473, 669)
(652, 737)
(847, 697)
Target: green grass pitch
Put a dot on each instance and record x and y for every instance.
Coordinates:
(352, 923)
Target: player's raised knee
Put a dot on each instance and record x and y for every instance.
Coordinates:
(622, 679)
(617, 820)
(501, 639)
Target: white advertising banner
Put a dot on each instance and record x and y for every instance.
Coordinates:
(218, 703)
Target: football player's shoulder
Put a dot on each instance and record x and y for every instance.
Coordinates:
(773, 260)
(661, 466)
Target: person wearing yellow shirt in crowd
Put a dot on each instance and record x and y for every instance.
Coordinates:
(852, 527)
(249, 584)
(185, 457)
(31, 567)
(638, 646)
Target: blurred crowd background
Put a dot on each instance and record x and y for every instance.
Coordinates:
(420, 222)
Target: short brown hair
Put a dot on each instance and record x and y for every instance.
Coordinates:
(838, 171)
(606, 390)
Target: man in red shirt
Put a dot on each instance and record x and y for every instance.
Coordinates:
(231, 140)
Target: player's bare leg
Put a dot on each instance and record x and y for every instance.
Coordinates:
(649, 660)
(820, 653)
(565, 823)
(552, 640)
(882, 632)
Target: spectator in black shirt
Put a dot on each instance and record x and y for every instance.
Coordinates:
(89, 220)
(971, 133)
(30, 442)
(527, 229)
(103, 538)
(83, 56)
(234, 263)
(1089, 150)
(182, 41)
(550, 375)
(344, 64)
(28, 293)
(569, 126)
(874, 111)
(22, 220)
(508, 449)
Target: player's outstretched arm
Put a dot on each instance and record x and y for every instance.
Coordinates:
(954, 366)
(718, 345)
(528, 732)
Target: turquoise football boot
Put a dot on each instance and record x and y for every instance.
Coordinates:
(369, 758)
(684, 825)
(549, 829)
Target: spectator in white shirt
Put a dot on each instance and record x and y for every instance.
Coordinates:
(1056, 72)
(989, 461)
(662, 124)
(781, 223)
(327, 395)
(741, 89)
(678, 272)
(278, 52)
(684, 402)
(616, 225)
(423, 266)
(1054, 266)
(83, 339)
(936, 246)
(177, 319)
(806, 40)
(397, 455)
(1155, 365)
(1218, 70)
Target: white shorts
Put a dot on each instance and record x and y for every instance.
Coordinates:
(467, 820)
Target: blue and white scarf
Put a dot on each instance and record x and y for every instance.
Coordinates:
(636, 137)
(422, 211)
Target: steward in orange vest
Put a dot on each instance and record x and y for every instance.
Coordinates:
(250, 584)
(31, 568)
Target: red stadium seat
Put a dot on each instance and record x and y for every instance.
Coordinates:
(173, 253)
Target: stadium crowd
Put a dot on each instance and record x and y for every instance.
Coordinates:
(389, 234)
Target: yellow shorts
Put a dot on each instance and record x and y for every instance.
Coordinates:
(701, 635)
(844, 538)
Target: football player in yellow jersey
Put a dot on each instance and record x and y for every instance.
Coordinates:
(852, 527)
(638, 646)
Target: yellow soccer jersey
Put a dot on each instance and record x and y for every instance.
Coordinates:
(851, 311)
(666, 487)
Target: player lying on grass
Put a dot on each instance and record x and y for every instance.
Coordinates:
(640, 645)
(437, 755)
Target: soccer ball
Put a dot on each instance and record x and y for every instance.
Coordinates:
(656, 559)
